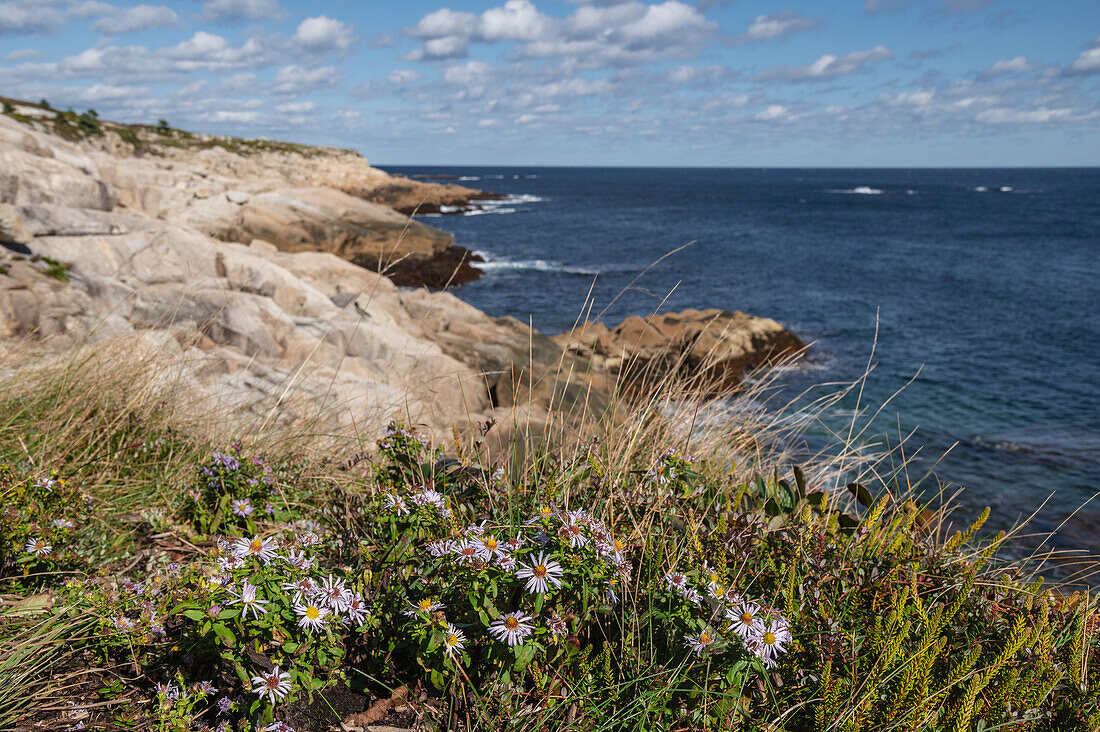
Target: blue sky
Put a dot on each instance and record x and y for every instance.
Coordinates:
(513, 82)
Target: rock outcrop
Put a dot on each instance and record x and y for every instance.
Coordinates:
(296, 197)
(714, 347)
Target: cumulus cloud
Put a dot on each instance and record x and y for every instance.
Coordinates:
(296, 79)
(401, 77)
(613, 35)
(242, 9)
(18, 19)
(777, 25)
(1088, 62)
(323, 33)
(23, 54)
(1016, 65)
(828, 66)
(137, 18)
(771, 112)
(1042, 115)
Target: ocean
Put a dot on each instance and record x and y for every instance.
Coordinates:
(983, 284)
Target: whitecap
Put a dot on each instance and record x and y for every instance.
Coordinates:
(1007, 189)
(979, 189)
(537, 265)
(861, 190)
(468, 177)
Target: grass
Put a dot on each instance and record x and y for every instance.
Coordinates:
(899, 622)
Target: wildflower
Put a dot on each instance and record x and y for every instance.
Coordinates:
(241, 507)
(304, 587)
(507, 562)
(213, 611)
(269, 509)
(541, 574)
(170, 690)
(230, 563)
(356, 609)
(578, 516)
(453, 640)
(746, 621)
(226, 461)
(310, 616)
(224, 704)
(133, 587)
(475, 529)
(513, 627)
(775, 633)
(46, 484)
(544, 512)
(513, 544)
(277, 727)
(427, 605)
(397, 504)
(699, 643)
(123, 623)
(574, 534)
(298, 560)
(498, 475)
(464, 551)
(429, 497)
(63, 523)
(722, 593)
(247, 599)
(206, 687)
(557, 625)
(38, 547)
(692, 595)
(489, 547)
(173, 569)
(274, 684)
(263, 549)
(308, 538)
(334, 593)
(438, 547)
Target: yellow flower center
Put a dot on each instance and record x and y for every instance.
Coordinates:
(425, 605)
(619, 545)
(511, 623)
(491, 543)
(539, 571)
(705, 638)
(312, 613)
(255, 546)
(746, 617)
(452, 639)
(769, 638)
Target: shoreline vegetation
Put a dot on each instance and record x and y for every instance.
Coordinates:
(252, 485)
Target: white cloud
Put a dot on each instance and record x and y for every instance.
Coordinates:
(471, 72)
(443, 22)
(518, 20)
(401, 77)
(1042, 115)
(296, 79)
(1016, 65)
(439, 49)
(920, 98)
(772, 112)
(829, 66)
(1088, 62)
(777, 25)
(137, 18)
(295, 107)
(17, 19)
(242, 9)
(323, 33)
(23, 54)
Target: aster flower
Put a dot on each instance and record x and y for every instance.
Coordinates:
(692, 595)
(224, 704)
(507, 562)
(574, 534)
(241, 507)
(133, 587)
(123, 623)
(557, 625)
(170, 690)
(262, 549)
(277, 727)
(540, 574)
(513, 627)
(356, 609)
(298, 560)
(429, 497)
(334, 593)
(475, 529)
(699, 643)
(311, 617)
(774, 634)
(427, 605)
(206, 687)
(438, 547)
(247, 599)
(308, 538)
(397, 505)
(213, 611)
(274, 684)
(63, 523)
(544, 512)
(465, 551)
(453, 640)
(38, 547)
(513, 544)
(746, 620)
(488, 547)
(230, 563)
(301, 588)
(579, 516)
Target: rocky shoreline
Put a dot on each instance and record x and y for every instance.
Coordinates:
(268, 267)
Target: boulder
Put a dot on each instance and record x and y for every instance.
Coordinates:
(12, 228)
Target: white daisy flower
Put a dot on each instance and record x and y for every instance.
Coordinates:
(301, 588)
(429, 497)
(699, 643)
(356, 609)
(206, 688)
(397, 505)
(513, 544)
(489, 547)
(247, 599)
(746, 621)
(427, 605)
(311, 617)
(308, 538)
(334, 593)
(540, 574)
(574, 534)
(513, 628)
(691, 595)
(544, 512)
(298, 560)
(63, 523)
(241, 507)
(38, 547)
(507, 562)
(438, 547)
(274, 684)
(465, 551)
(475, 529)
(774, 635)
(453, 640)
(262, 549)
(230, 563)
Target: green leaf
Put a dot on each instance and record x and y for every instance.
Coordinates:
(225, 634)
(194, 614)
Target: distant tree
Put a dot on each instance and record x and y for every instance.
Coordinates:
(8, 108)
(162, 125)
(43, 103)
(92, 113)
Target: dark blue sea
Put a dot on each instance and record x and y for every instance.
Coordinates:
(985, 284)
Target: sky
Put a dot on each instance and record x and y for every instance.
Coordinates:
(893, 83)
